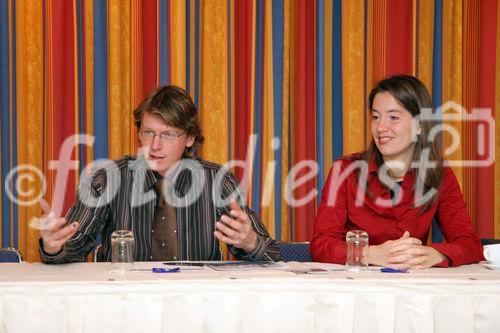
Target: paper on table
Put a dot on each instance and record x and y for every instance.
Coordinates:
(315, 267)
(246, 266)
(149, 265)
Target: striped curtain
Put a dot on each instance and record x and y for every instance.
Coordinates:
(281, 88)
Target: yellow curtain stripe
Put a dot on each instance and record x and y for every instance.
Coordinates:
(425, 41)
(136, 83)
(119, 90)
(177, 19)
(89, 74)
(268, 161)
(353, 75)
(214, 93)
(452, 69)
(369, 63)
(29, 50)
(426, 46)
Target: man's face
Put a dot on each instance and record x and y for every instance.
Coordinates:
(162, 145)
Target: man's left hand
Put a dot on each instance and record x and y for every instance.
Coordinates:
(236, 229)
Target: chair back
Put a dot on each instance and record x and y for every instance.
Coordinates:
(295, 251)
(489, 241)
(9, 254)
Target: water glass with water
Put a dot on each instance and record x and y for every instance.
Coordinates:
(357, 250)
(122, 249)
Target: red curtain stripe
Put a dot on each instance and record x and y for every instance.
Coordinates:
(487, 61)
(63, 108)
(399, 54)
(243, 79)
(304, 113)
(149, 49)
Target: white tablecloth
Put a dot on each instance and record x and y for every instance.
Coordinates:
(89, 298)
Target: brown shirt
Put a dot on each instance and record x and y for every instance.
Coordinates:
(164, 230)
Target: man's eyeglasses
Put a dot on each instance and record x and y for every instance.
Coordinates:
(148, 135)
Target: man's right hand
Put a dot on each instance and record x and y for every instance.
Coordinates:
(54, 233)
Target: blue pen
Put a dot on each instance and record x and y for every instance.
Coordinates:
(166, 270)
(393, 270)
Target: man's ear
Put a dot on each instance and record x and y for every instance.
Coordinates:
(139, 136)
(190, 141)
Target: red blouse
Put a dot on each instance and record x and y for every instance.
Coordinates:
(339, 212)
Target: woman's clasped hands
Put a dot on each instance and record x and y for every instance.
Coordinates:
(404, 253)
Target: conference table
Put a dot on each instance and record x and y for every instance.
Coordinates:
(283, 297)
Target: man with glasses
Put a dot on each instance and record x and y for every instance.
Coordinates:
(178, 206)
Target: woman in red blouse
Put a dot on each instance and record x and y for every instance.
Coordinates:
(395, 189)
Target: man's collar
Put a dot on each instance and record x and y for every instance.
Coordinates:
(151, 177)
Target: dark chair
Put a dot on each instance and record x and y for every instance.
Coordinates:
(295, 251)
(9, 254)
(488, 241)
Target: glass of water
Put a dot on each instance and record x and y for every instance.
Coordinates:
(357, 250)
(122, 250)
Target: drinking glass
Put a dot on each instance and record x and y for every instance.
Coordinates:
(357, 250)
(122, 250)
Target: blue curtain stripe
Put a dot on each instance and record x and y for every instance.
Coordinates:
(257, 165)
(163, 24)
(437, 83)
(5, 115)
(337, 132)
(320, 93)
(278, 36)
(100, 80)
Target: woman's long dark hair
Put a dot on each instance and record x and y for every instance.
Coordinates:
(412, 94)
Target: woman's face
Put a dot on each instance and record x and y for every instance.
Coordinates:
(393, 129)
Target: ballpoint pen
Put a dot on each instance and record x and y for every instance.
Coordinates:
(166, 270)
(158, 270)
(393, 270)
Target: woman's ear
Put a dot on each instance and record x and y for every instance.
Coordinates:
(417, 127)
